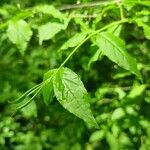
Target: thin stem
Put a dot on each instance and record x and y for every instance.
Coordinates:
(84, 16)
(27, 93)
(92, 34)
(76, 48)
(64, 62)
(30, 100)
(119, 4)
(121, 12)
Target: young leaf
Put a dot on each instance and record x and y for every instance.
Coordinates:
(74, 41)
(72, 95)
(114, 48)
(19, 33)
(49, 30)
(47, 89)
(115, 30)
(95, 57)
(146, 29)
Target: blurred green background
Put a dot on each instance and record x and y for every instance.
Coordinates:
(119, 101)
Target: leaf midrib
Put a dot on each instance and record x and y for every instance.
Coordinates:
(116, 46)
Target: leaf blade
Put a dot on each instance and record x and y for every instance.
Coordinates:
(47, 89)
(50, 10)
(19, 33)
(74, 41)
(114, 48)
(48, 31)
(70, 92)
(146, 28)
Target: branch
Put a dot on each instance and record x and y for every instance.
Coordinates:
(84, 5)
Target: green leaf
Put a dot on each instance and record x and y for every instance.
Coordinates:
(95, 57)
(97, 136)
(112, 141)
(146, 29)
(115, 30)
(74, 41)
(136, 91)
(124, 139)
(129, 3)
(145, 3)
(19, 33)
(118, 113)
(47, 89)
(30, 110)
(50, 10)
(49, 30)
(72, 95)
(114, 48)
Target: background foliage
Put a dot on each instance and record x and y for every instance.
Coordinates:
(33, 41)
